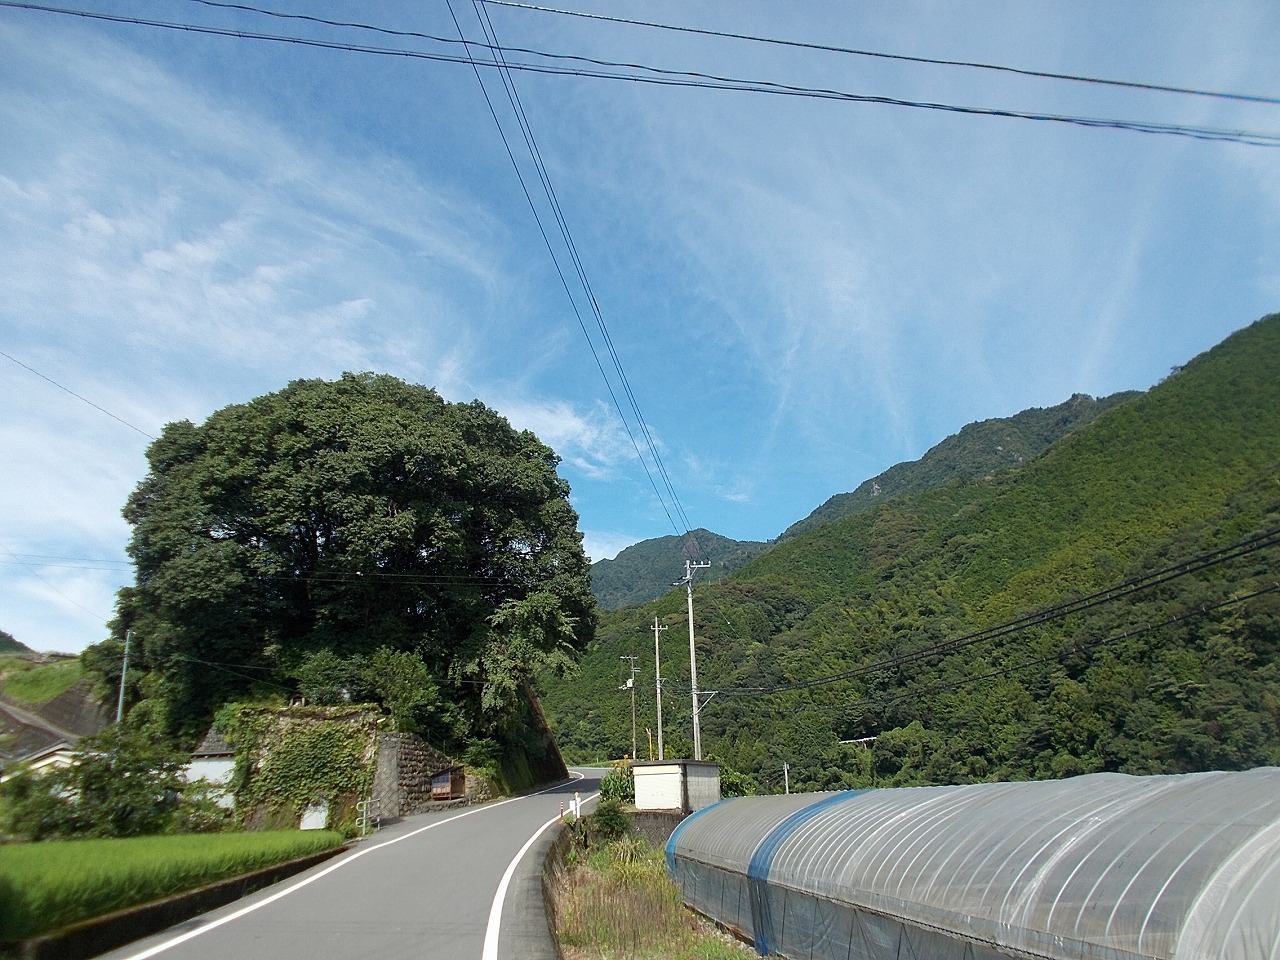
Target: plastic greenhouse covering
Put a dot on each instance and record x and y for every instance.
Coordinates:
(1105, 867)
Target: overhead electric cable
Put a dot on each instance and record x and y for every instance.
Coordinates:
(567, 238)
(1127, 634)
(76, 395)
(559, 272)
(572, 247)
(906, 58)
(1050, 614)
(692, 80)
(36, 573)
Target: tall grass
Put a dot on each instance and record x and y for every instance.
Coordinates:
(48, 885)
(618, 902)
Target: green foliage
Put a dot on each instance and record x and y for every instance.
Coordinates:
(1191, 467)
(735, 784)
(404, 686)
(40, 684)
(122, 783)
(46, 886)
(289, 760)
(619, 784)
(608, 820)
(325, 679)
(350, 517)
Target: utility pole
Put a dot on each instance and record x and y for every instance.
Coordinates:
(689, 567)
(657, 673)
(631, 685)
(124, 672)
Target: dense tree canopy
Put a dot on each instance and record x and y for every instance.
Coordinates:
(362, 517)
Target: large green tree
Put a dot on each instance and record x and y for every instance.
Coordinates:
(352, 516)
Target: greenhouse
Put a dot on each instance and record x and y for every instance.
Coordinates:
(1105, 867)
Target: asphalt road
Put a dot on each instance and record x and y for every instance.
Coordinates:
(421, 888)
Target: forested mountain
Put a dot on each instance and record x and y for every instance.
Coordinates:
(1112, 605)
(646, 570)
(985, 447)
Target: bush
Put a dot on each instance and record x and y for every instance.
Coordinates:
(122, 784)
(609, 821)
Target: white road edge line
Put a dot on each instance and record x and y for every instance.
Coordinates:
(490, 951)
(213, 925)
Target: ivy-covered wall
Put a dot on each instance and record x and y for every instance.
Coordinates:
(289, 760)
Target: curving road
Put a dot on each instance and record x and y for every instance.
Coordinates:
(462, 884)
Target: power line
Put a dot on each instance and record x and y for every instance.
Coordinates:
(567, 238)
(74, 394)
(690, 79)
(1050, 614)
(1129, 634)
(509, 82)
(906, 58)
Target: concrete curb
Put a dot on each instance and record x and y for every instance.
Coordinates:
(89, 938)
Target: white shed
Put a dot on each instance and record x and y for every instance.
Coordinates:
(684, 785)
(214, 761)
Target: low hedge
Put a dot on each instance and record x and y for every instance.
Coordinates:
(48, 885)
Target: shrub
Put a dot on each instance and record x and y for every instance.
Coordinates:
(608, 820)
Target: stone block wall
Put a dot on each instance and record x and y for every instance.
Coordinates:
(402, 780)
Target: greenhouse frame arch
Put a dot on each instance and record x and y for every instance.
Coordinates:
(1104, 866)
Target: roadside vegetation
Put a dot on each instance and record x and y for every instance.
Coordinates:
(611, 899)
(47, 886)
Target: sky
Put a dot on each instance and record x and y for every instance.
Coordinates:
(800, 291)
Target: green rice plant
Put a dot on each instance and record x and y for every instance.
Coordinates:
(46, 886)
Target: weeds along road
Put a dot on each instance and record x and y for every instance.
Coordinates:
(461, 885)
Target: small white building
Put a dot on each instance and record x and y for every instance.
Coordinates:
(213, 761)
(684, 785)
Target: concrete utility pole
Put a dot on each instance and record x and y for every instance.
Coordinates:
(689, 567)
(124, 672)
(631, 685)
(657, 673)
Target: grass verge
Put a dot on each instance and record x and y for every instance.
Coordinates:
(46, 886)
(616, 902)
(40, 684)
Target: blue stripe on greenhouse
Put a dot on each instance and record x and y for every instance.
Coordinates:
(675, 835)
(762, 863)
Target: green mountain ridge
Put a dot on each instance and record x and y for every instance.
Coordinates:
(645, 570)
(978, 449)
(853, 630)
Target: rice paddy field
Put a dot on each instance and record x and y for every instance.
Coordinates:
(49, 885)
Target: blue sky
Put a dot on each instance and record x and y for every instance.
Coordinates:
(802, 292)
